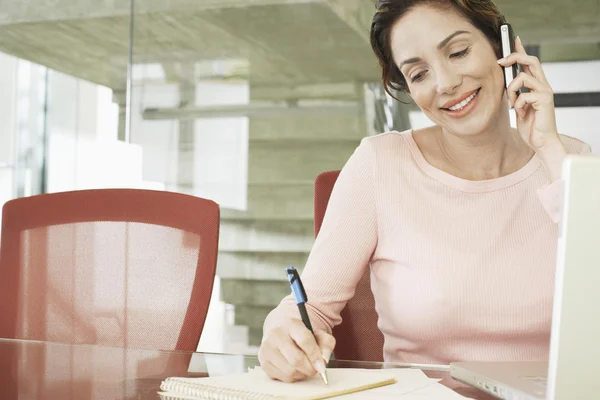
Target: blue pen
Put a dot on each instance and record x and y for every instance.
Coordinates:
(301, 299)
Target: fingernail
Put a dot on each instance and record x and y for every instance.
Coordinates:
(500, 61)
(320, 366)
(326, 356)
(519, 39)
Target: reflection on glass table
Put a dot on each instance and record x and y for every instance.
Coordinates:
(44, 370)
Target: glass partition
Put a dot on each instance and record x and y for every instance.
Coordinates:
(61, 63)
(241, 101)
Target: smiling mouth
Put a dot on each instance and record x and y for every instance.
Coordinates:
(462, 104)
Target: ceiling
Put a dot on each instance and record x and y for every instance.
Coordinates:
(283, 41)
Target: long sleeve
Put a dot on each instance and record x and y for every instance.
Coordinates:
(460, 270)
(551, 195)
(343, 247)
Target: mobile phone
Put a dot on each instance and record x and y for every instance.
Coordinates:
(507, 37)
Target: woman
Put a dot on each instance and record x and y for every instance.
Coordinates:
(458, 221)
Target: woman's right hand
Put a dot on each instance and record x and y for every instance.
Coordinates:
(292, 353)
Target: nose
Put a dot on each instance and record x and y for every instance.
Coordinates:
(447, 80)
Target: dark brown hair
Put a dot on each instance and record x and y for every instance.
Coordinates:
(482, 14)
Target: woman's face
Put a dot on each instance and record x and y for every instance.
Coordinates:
(450, 68)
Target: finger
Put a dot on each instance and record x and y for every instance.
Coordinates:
(526, 61)
(270, 353)
(522, 111)
(289, 362)
(513, 88)
(524, 80)
(275, 373)
(524, 68)
(520, 48)
(307, 342)
(525, 101)
(294, 356)
(326, 342)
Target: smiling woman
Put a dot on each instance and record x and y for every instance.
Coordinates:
(444, 55)
(484, 15)
(456, 224)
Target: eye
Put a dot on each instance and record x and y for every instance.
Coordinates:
(418, 77)
(460, 54)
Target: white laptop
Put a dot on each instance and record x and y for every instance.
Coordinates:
(573, 371)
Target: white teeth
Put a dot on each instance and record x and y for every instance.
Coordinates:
(463, 103)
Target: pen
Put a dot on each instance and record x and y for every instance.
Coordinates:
(301, 299)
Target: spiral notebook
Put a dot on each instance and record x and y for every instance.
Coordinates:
(256, 385)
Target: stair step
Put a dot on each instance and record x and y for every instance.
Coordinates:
(241, 216)
(285, 156)
(253, 292)
(276, 161)
(277, 201)
(307, 126)
(266, 236)
(271, 162)
(255, 336)
(251, 316)
(258, 266)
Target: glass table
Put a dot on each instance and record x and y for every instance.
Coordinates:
(44, 370)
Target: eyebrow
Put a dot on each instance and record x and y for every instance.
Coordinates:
(440, 46)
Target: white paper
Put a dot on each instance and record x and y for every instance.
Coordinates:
(412, 384)
(435, 391)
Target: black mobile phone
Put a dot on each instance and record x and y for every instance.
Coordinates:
(507, 37)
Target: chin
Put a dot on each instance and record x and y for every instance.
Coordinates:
(473, 129)
(483, 118)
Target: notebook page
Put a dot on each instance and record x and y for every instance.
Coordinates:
(340, 381)
(407, 380)
(412, 384)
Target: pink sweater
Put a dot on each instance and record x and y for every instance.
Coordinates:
(460, 270)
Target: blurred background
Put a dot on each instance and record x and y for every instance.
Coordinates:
(241, 101)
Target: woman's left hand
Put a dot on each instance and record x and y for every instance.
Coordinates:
(536, 119)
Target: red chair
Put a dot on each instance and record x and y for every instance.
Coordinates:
(115, 267)
(357, 337)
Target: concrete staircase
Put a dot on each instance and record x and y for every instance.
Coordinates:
(286, 154)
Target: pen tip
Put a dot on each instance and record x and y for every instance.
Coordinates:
(324, 376)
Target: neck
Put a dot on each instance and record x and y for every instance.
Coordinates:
(496, 152)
